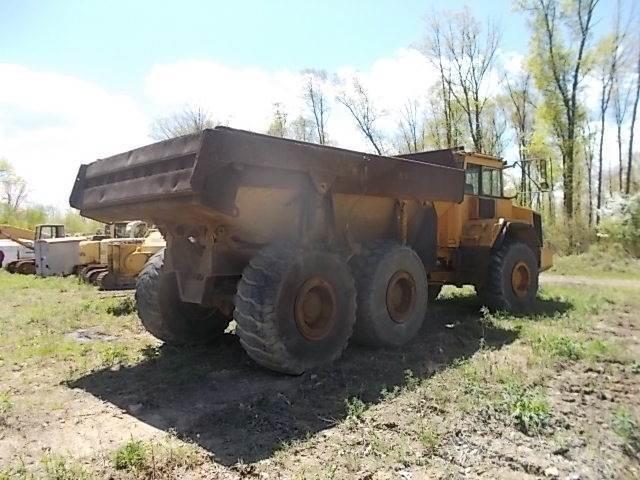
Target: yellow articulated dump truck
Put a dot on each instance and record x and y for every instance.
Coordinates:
(113, 263)
(309, 247)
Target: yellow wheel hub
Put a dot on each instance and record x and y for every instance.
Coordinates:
(521, 279)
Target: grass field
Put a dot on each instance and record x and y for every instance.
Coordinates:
(599, 262)
(86, 393)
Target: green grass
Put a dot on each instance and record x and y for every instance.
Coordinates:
(39, 315)
(60, 468)
(599, 262)
(133, 455)
(628, 428)
(528, 407)
(156, 459)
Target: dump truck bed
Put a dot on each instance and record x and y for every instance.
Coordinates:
(203, 172)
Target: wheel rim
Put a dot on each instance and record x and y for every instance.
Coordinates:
(401, 296)
(521, 279)
(315, 308)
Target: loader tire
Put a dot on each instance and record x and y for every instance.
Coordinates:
(512, 279)
(26, 268)
(168, 318)
(295, 309)
(392, 294)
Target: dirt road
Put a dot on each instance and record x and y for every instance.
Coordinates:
(579, 280)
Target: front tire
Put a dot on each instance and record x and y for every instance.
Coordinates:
(295, 309)
(392, 294)
(168, 318)
(512, 279)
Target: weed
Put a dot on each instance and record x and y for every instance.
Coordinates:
(635, 368)
(559, 346)
(58, 468)
(528, 407)
(355, 408)
(629, 430)
(6, 406)
(131, 456)
(387, 394)
(114, 354)
(410, 380)
(126, 306)
(429, 438)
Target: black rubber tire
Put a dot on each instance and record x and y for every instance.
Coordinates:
(497, 292)
(373, 270)
(165, 316)
(26, 267)
(433, 292)
(264, 308)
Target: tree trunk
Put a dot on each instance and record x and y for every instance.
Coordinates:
(627, 189)
(599, 199)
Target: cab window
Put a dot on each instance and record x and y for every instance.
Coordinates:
(491, 184)
(472, 180)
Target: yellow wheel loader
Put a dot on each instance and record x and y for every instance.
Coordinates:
(114, 263)
(308, 246)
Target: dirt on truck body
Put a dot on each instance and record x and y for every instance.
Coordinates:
(308, 246)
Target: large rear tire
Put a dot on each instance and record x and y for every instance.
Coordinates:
(295, 309)
(392, 294)
(512, 279)
(168, 318)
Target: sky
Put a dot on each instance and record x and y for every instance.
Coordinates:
(81, 80)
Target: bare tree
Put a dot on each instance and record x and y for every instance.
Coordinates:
(609, 50)
(434, 51)
(634, 112)
(317, 103)
(412, 127)
(521, 118)
(364, 113)
(464, 55)
(494, 127)
(13, 187)
(559, 70)
(189, 120)
(621, 97)
(588, 141)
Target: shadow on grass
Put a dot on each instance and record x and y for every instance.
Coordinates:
(218, 398)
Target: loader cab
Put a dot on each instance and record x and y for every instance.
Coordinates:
(128, 229)
(483, 176)
(46, 232)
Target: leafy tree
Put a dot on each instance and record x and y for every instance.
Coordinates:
(278, 126)
(13, 188)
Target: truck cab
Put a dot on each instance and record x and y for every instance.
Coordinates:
(49, 231)
(472, 233)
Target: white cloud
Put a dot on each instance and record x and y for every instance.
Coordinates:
(51, 123)
(245, 96)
